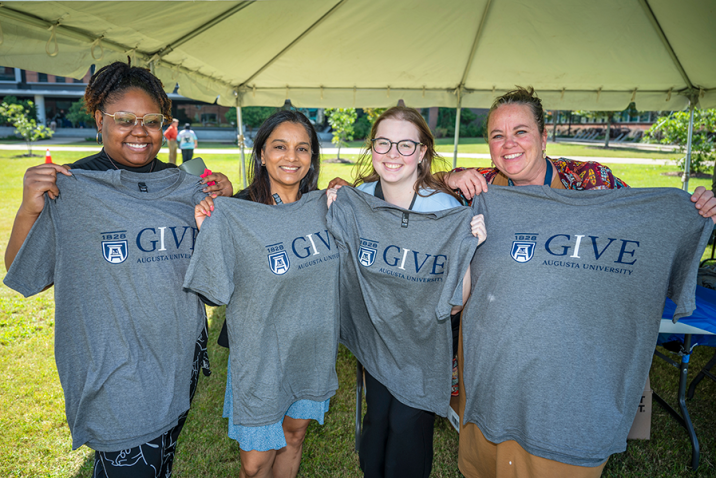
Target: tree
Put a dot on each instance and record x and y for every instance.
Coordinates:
(27, 104)
(373, 114)
(252, 116)
(341, 120)
(597, 116)
(674, 129)
(78, 114)
(469, 128)
(365, 120)
(26, 127)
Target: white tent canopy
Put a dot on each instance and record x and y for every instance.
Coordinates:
(578, 54)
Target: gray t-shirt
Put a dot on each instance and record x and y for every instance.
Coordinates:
(276, 269)
(124, 330)
(567, 296)
(398, 285)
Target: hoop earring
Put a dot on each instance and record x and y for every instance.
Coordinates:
(99, 137)
(544, 154)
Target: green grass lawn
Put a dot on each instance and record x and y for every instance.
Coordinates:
(35, 440)
(444, 146)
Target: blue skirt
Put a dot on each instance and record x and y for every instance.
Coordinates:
(268, 437)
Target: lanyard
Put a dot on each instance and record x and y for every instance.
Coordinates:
(547, 176)
(379, 194)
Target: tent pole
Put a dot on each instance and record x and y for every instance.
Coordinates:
(240, 136)
(555, 115)
(687, 165)
(457, 127)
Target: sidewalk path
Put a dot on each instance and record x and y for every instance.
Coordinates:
(329, 151)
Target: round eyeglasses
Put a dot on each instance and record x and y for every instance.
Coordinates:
(123, 119)
(405, 147)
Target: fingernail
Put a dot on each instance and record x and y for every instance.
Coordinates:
(212, 208)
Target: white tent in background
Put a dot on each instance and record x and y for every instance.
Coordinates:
(578, 54)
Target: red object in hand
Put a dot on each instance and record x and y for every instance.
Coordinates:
(207, 172)
(48, 158)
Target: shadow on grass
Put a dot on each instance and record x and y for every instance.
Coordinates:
(25, 156)
(85, 470)
(628, 150)
(338, 161)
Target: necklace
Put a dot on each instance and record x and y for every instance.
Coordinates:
(115, 166)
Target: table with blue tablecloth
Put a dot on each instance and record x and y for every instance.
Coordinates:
(697, 329)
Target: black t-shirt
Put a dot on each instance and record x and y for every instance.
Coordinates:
(102, 162)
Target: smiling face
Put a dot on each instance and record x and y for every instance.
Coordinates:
(134, 146)
(287, 158)
(516, 144)
(393, 167)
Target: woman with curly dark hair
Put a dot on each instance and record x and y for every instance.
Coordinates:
(129, 342)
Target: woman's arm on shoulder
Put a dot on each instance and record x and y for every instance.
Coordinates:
(469, 181)
(222, 185)
(338, 182)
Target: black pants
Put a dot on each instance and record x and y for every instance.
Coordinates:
(186, 155)
(155, 458)
(397, 440)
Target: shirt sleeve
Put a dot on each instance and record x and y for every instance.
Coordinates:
(336, 220)
(198, 194)
(462, 249)
(211, 270)
(682, 280)
(33, 269)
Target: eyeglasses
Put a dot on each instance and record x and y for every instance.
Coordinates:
(122, 119)
(405, 147)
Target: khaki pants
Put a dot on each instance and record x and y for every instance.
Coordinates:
(172, 151)
(480, 458)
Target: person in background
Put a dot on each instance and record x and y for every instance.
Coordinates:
(187, 143)
(171, 135)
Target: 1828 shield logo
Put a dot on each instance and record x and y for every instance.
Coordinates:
(114, 252)
(278, 259)
(367, 252)
(523, 248)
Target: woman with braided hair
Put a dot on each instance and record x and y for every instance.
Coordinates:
(129, 341)
(132, 149)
